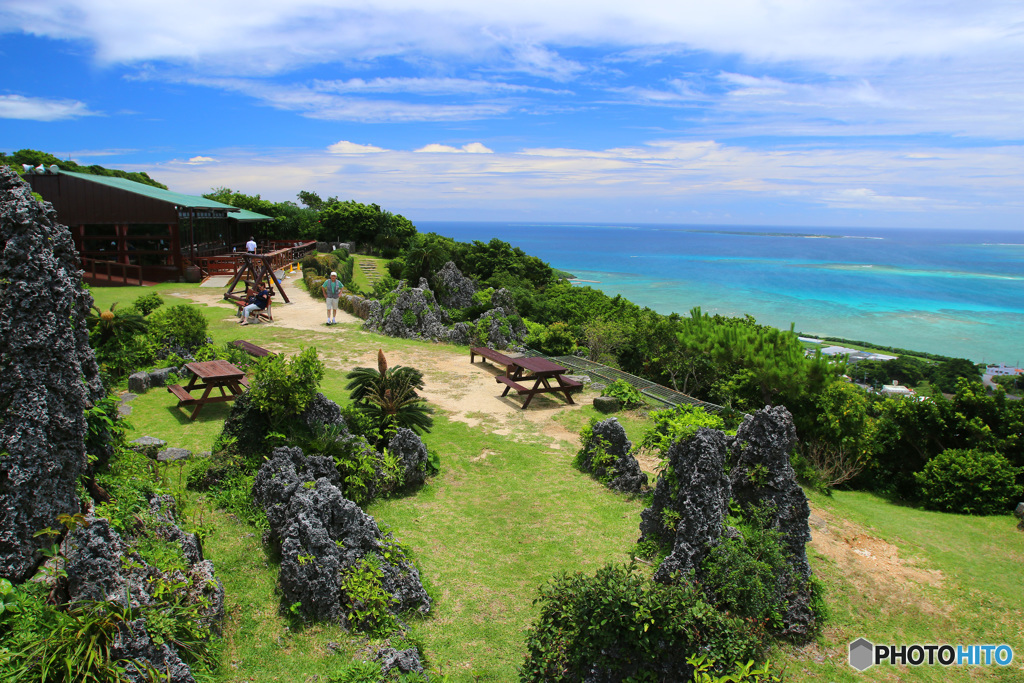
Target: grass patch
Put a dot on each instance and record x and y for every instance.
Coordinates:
(505, 515)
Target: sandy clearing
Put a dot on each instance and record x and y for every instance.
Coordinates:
(465, 392)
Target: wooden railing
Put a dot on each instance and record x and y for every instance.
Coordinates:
(103, 271)
(283, 252)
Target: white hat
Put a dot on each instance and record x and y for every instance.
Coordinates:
(333, 273)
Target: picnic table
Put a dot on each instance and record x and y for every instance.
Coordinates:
(209, 375)
(542, 371)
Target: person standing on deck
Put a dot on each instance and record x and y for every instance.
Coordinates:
(250, 246)
(332, 290)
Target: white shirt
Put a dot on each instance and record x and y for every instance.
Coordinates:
(250, 246)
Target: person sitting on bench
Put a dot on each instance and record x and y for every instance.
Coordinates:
(258, 302)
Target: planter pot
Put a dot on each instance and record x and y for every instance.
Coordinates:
(193, 274)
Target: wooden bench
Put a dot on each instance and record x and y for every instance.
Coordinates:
(251, 348)
(571, 383)
(266, 314)
(184, 397)
(492, 355)
(512, 384)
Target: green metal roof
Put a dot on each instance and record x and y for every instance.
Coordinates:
(182, 200)
(246, 215)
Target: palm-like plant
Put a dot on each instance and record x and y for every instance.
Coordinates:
(388, 395)
(106, 325)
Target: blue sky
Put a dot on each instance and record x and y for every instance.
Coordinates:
(791, 112)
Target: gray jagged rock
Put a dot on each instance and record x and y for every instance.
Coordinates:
(48, 374)
(406, 661)
(454, 290)
(139, 382)
(607, 455)
(501, 327)
(322, 412)
(173, 454)
(149, 446)
(1019, 514)
(763, 476)
(414, 315)
(460, 334)
(412, 453)
(101, 566)
(324, 537)
(690, 506)
(160, 376)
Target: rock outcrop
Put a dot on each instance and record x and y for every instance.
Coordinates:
(48, 374)
(412, 454)
(101, 566)
(410, 313)
(691, 501)
(763, 477)
(454, 290)
(324, 538)
(607, 454)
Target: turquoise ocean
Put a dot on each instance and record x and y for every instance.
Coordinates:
(953, 292)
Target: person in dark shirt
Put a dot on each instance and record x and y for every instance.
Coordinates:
(257, 302)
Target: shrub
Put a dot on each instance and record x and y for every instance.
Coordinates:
(178, 327)
(314, 282)
(147, 303)
(625, 392)
(968, 481)
(675, 424)
(340, 254)
(748, 575)
(554, 340)
(617, 625)
(395, 268)
(281, 388)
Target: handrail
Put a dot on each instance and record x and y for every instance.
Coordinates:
(91, 266)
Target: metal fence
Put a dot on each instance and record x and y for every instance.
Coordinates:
(656, 392)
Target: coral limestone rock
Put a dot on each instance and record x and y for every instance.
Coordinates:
(324, 536)
(607, 455)
(763, 475)
(48, 374)
(454, 290)
(691, 501)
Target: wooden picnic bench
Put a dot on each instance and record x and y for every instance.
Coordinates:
(541, 370)
(251, 348)
(209, 375)
(491, 355)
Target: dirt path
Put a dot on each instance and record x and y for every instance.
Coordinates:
(466, 392)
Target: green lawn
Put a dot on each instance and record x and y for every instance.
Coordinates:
(506, 515)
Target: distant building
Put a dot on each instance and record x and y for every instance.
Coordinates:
(120, 221)
(1003, 369)
(896, 389)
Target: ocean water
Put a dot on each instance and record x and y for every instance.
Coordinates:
(954, 292)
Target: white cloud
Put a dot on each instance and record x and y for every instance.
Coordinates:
(471, 148)
(346, 147)
(426, 86)
(200, 160)
(669, 176)
(41, 109)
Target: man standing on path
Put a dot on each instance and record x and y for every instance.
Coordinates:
(332, 290)
(250, 246)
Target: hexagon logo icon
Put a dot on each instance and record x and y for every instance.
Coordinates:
(862, 654)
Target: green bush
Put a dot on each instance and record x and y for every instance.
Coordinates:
(968, 481)
(621, 626)
(554, 340)
(625, 392)
(182, 326)
(340, 254)
(749, 575)
(314, 283)
(281, 388)
(395, 268)
(321, 263)
(147, 303)
(675, 424)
